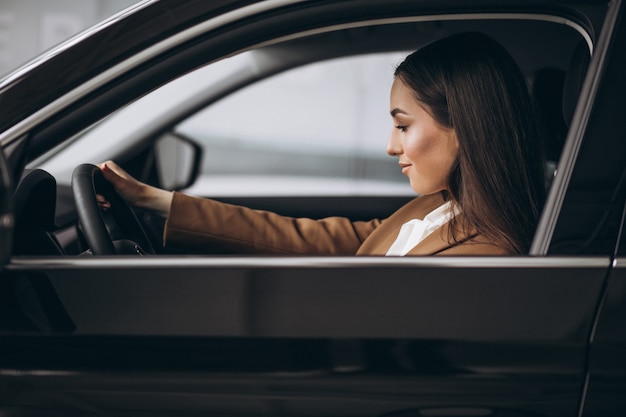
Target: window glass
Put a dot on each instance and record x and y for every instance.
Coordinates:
(121, 131)
(320, 129)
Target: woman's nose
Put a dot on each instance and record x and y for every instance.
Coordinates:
(393, 145)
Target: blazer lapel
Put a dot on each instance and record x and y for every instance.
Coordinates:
(381, 239)
(379, 242)
(438, 241)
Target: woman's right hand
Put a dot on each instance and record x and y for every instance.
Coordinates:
(136, 193)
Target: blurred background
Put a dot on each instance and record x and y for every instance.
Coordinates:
(29, 27)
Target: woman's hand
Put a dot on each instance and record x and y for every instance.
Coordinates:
(136, 193)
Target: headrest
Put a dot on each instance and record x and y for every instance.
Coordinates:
(35, 198)
(548, 95)
(574, 80)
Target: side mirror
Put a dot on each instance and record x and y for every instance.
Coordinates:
(177, 161)
(6, 211)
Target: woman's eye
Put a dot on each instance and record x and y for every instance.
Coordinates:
(401, 128)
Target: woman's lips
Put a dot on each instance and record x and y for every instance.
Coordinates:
(405, 167)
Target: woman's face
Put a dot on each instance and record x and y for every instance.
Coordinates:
(426, 151)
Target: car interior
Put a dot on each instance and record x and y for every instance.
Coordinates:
(553, 57)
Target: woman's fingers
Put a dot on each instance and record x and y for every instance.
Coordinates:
(113, 173)
(125, 185)
(136, 193)
(103, 203)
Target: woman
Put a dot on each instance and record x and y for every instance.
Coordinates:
(465, 136)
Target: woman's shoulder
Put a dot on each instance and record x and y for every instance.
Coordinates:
(420, 206)
(476, 245)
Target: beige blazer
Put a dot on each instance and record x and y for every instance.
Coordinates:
(203, 224)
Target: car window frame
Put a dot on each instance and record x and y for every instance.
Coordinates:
(53, 128)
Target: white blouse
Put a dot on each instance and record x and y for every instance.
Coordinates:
(415, 230)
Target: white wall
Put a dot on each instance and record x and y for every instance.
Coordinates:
(29, 27)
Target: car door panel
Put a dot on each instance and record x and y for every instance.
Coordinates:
(381, 334)
(361, 297)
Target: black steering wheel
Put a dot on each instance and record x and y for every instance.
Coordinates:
(116, 231)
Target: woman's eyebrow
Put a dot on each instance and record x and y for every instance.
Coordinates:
(397, 111)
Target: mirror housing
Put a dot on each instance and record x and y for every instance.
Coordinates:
(177, 161)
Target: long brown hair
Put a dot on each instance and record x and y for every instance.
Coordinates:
(470, 83)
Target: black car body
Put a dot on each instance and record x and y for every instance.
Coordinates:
(196, 334)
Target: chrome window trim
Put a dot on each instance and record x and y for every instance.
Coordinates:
(44, 113)
(313, 262)
(441, 17)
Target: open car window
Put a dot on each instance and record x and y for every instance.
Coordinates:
(289, 121)
(315, 130)
(320, 129)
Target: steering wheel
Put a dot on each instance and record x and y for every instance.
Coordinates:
(116, 231)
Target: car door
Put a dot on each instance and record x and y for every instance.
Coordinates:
(360, 336)
(605, 376)
(458, 336)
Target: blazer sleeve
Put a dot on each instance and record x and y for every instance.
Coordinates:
(211, 226)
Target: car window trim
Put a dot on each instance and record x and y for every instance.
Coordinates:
(540, 17)
(313, 262)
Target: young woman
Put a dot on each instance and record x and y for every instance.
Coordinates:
(464, 134)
